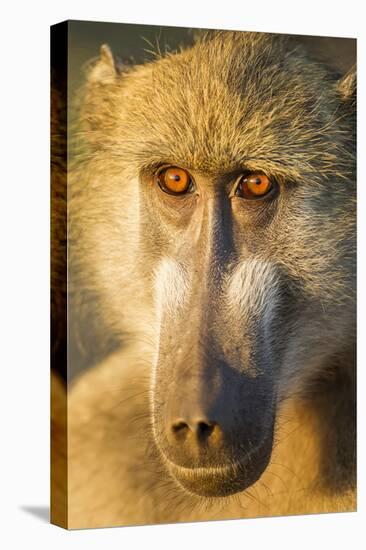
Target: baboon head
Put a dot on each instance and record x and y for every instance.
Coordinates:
(223, 176)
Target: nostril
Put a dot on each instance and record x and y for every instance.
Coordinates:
(201, 429)
(205, 429)
(179, 427)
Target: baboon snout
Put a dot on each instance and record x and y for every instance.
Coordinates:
(199, 428)
(213, 446)
(214, 427)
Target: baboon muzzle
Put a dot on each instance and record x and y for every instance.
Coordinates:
(214, 428)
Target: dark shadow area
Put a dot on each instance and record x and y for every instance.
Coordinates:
(40, 512)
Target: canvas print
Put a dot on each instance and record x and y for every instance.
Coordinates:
(203, 207)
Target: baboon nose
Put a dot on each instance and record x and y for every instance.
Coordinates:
(201, 429)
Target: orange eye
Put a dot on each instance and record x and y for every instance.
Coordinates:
(254, 186)
(174, 180)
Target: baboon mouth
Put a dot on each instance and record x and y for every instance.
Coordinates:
(222, 481)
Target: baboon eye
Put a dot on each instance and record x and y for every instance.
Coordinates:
(254, 186)
(174, 180)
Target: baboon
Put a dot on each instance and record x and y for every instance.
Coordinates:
(211, 237)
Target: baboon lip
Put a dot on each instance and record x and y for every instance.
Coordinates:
(221, 481)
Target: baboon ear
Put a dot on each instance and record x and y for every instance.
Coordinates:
(106, 68)
(98, 97)
(347, 86)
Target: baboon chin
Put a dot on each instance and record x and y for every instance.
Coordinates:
(212, 240)
(225, 480)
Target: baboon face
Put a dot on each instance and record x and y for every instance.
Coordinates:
(240, 156)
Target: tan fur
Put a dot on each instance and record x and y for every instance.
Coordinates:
(114, 481)
(237, 99)
(58, 452)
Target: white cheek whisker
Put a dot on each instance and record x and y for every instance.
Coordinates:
(253, 288)
(171, 287)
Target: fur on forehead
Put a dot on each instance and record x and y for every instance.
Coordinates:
(233, 98)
